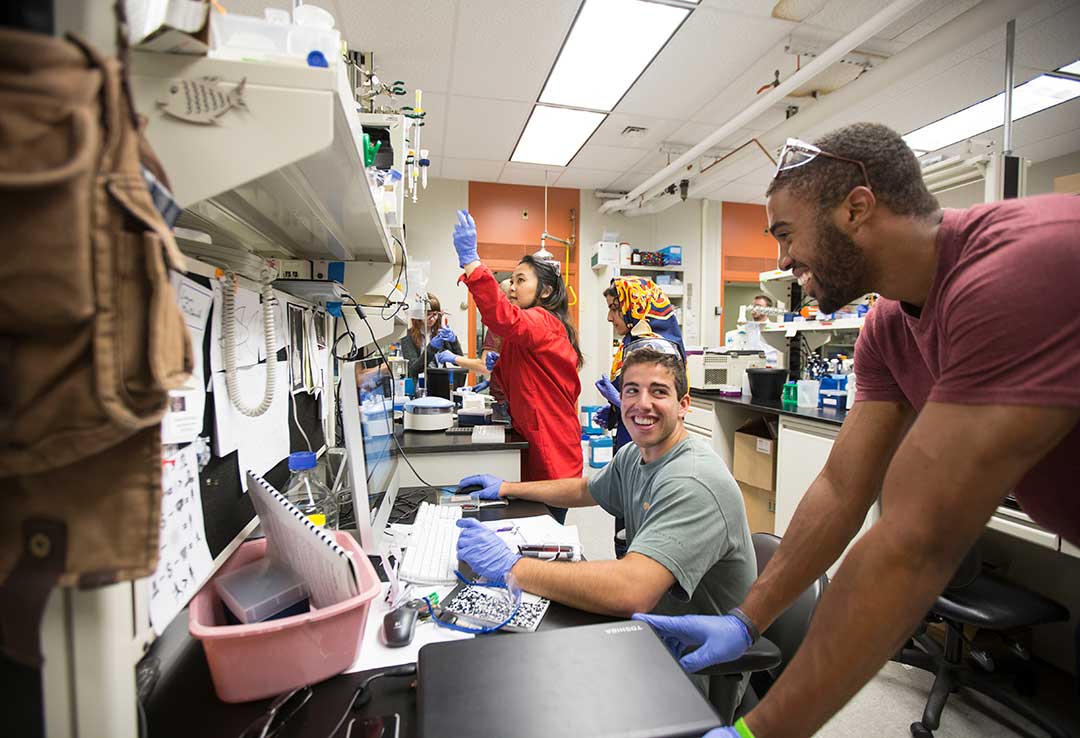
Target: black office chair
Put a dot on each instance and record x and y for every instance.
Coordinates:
(767, 658)
(977, 598)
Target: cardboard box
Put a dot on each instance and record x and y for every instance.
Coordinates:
(755, 454)
(760, 508)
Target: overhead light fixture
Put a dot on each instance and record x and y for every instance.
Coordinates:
(609, 46)
(1073, 68)
(553, 136)
(1034, 96)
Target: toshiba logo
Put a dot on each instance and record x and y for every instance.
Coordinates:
(623, 629)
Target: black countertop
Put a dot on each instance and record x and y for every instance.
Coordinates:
(183, 702)
(829, 415)
(440, 442)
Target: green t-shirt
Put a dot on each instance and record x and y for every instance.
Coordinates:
(686, 512)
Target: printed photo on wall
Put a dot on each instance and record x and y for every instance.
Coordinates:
(297, 349)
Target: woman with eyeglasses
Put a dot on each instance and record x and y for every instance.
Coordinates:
(442, 338)
(539, 362)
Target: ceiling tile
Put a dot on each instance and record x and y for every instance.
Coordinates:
(924, 19)
(411, 41)
(704, 57)
(610, 131)
(529, 174)
(737, 192)
(505, 49)
(472, 169)
(757, 8)
(481, 128)
(629, 181)
(586, 179)
(610, 158)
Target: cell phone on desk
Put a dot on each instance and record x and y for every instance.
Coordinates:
(380, 726)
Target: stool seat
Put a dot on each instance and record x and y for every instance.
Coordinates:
(990, 602)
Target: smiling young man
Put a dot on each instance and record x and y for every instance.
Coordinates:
(962, 399)
(688, 542)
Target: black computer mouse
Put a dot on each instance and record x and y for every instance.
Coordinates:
(399, 626)
(469, 489)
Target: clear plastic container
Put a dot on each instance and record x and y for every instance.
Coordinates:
(808, 392)
(260, 590)
(309, 494)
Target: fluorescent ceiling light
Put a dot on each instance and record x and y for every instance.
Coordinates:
(1073, 68)
(554, 135)
(1029, 98)
(610, 44)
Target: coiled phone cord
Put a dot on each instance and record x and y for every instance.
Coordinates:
(229, 287)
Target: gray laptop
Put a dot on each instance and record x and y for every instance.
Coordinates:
(594, 681)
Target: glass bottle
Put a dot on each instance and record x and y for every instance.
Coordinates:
(309, 494)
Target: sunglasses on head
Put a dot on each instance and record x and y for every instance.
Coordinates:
(798, 153)
(660, 345)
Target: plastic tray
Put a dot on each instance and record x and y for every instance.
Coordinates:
(260, 660)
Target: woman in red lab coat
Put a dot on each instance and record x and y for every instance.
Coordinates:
(539, 362)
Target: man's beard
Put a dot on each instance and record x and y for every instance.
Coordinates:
(842, 272)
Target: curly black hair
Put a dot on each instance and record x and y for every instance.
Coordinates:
(895, 176)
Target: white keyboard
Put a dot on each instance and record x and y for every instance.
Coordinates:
(431, 557)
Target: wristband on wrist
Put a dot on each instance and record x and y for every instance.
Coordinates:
(743, 729)
(741, 616)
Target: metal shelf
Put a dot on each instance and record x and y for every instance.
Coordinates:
(642, 268)
(284, 176)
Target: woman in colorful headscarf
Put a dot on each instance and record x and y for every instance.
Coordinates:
(638, 310)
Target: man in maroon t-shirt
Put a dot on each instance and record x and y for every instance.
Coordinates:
(963, 397)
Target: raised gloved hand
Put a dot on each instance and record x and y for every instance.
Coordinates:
(491, 485)
(490, 359)
(717, 638)
(484, 551)
(465, 239)
(609, 391)
(446, 357)
(602, 416)
(443, 338)
(726, 732)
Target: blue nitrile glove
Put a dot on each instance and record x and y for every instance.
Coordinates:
(718, 638)
(465, 239)
(446, 357)
(725, 732)
(492, 484)
(485, 552)
(601, 416)
(608, 390)
(443, 338)
(481, 386)
(490, 359)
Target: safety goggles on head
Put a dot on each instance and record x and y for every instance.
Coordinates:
(797, 153)
(656, 343)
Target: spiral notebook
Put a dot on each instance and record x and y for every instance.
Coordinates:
(307, 549)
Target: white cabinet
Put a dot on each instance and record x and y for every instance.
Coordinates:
(802, 451)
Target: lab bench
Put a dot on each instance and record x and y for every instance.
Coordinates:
(183, 703)
(442, 458)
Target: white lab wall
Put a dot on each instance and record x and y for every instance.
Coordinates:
(680, 225)
(1040, 180)
(429, 226)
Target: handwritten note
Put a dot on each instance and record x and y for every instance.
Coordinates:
(247, 328)
(184, 561)
(184, 419)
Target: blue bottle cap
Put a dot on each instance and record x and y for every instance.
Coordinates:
(316, 59)
(300, 460)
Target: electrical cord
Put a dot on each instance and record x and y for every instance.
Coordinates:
(362, 694)
(228, 328)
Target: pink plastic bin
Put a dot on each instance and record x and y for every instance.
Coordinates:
(252, 662)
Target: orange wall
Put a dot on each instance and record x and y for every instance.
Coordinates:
(504, 236)
(747, 247)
